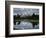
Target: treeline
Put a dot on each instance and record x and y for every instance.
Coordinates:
(36, 17)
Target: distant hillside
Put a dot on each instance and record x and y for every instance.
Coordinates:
(26, 17)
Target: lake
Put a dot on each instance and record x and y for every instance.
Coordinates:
(26, 24)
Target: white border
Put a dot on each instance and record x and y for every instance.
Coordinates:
(25, 31)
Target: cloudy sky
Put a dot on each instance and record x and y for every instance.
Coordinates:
(25, 11)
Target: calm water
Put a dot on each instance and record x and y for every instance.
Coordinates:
(25, 24)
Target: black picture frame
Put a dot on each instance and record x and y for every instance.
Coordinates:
(7, 14)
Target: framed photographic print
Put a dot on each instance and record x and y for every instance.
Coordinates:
(24, 18)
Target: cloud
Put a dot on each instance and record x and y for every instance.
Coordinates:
(25, 11)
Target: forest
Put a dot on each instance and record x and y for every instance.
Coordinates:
(33, 17)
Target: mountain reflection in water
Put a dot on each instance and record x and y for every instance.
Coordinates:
(25, 24)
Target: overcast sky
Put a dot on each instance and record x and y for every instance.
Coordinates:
(25, 11)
